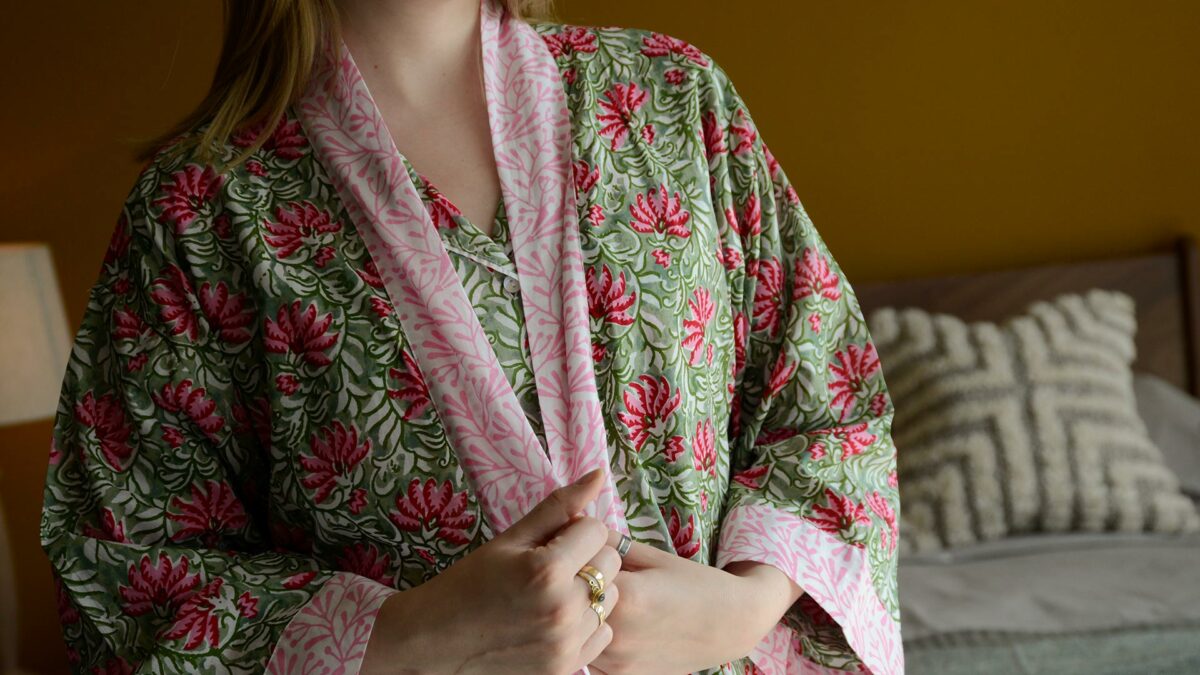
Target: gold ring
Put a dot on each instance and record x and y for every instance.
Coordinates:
(595, 581)
(599, 610)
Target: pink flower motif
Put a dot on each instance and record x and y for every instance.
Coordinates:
(173, 437)
(750, 223)
(817, 450)
(367, 561)
(606, 296)
(854, 366)
(673, 448)
(889, 537)
(198, 619)
(595, 216)
(749, 477)
(287, 140)
(893, 480)
(287, 384)
(301, 332)
(704, 451)
(358, 501)
(570, 40)
(813, 277)
(740, 328)
(212, 510)
(299, 224)
(569, 75)
(879, 404)
(335, 453)
(381, 308)
(223, 225)
(411, 387)
(67, 614)
(649, 404)
(111, 528)
(598, 352)
(853, 439)
(675, 76)
(648, 134)
(585, 177)
(661, 258)
(255, 168)
(814, 321)
(299, 580)
(194, 403)
(107, 419)
(619, 106)
(714, 136)
(658, 44)
(190, 192)
(441, 210)
(173, 293)
(743, 133)
(702, 310)
(127, 325)
(768, 296)
(842, 514)
(770, 436)
(229, 314)
(683, 535)
(434, 506)
(780, 375)
(370, 274)
(247, 605)
(730, 257)
(658, 212)
(164, 585)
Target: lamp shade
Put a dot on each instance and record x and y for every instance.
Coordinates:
(33, 334)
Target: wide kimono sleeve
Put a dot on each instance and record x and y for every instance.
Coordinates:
(813, 488)
(155, 516)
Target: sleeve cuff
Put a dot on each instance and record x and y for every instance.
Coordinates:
(330, 632)
(836, 575)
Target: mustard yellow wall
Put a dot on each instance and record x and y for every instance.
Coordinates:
(924, 136)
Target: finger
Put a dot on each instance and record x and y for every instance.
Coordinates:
(641, 556)
(577, 543)
(596, 642)
(556, 510)
(589, 621)
(608, 562)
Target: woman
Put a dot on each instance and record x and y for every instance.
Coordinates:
(322, 414)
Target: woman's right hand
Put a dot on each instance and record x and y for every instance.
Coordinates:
(513, 605)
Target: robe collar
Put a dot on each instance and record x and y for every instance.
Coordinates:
(531, 136)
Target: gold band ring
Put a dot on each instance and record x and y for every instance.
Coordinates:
(595, 581)
(599, 610)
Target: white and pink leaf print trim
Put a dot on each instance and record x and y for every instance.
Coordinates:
(834, 574)
(330, 633)
(531, 133)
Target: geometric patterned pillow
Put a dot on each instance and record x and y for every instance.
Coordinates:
(1026, 426)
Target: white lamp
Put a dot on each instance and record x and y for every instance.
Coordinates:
(34, 345)
(34, 342)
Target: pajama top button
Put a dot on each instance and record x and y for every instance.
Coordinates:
(512, 285)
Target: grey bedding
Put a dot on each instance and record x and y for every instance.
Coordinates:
(1055, 604)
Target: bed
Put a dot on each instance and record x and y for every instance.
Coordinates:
(1063, 603)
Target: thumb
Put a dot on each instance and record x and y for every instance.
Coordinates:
(557, 509)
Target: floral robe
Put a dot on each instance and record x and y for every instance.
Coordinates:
(246, 459)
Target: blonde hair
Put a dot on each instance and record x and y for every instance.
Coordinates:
(267, 54)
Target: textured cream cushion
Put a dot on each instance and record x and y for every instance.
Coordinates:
(1026, 426)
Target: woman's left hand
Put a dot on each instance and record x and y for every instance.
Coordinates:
(678, 616)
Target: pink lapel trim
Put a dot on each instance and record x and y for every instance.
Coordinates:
(531, 135)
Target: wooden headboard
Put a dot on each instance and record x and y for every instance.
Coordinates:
(1165, 287)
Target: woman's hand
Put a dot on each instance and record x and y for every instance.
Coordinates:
(514, 605)
(678, 616)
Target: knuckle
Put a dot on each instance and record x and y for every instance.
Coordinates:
(609, 559)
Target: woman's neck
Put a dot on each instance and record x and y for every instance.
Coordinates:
(418, 47)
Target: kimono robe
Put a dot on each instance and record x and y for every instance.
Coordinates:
(247, 458)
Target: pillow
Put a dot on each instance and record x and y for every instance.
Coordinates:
(1026, 426)
(1173, 418)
